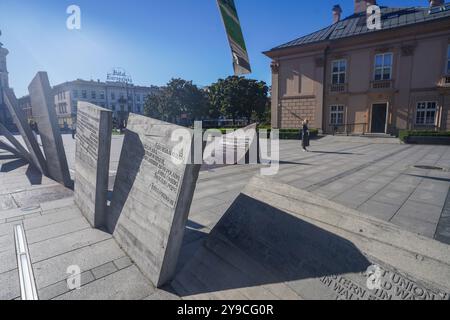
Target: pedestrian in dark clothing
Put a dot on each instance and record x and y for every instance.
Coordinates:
(74, 129)
(305, 135)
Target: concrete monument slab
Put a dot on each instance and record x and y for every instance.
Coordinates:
(19, 149)
(93, 145)
(45, 114)
(152, 196)
(277, 235)
(25, 131)
(238, 147)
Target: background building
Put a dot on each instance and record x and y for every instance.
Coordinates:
(347, 77)
(118, 97)
(5, 117)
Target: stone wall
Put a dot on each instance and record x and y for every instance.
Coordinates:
(294, 110)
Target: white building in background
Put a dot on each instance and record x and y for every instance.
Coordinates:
(5, 117)
(118, 97)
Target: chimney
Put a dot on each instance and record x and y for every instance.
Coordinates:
(337, 12)
(362, 5)
(436, 3)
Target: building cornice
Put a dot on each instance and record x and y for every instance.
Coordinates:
(368, 39)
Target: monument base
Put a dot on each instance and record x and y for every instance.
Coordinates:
(279, 241)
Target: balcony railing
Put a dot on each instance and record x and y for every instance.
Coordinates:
(382, 84)
(338, 88)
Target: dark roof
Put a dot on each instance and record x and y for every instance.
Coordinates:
(356, 24)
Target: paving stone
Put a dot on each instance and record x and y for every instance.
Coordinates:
(61, 287)
(57, 216)
(73, 241)
(418, 226)
(9, 285)
(420, 211)
(379, 210)
(126, 284)
(391, 197)
(57, 204)
(56, 230)
(54, 270)
(123, 263)
(104, 270)
(162, 295)
(434, 197)
(6, 203)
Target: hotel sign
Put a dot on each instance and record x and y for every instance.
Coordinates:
(119, 75)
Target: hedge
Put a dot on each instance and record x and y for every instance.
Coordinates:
(405, 134)
(285, 134)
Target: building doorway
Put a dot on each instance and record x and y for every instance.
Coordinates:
(379, 118)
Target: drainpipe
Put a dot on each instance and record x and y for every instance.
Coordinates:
(324, 87)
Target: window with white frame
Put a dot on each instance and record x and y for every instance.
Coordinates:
(337, 115)
(383, 66)
(338, 71)
(426, 113)
(448, 60)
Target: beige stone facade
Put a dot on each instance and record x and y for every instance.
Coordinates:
(375, 82)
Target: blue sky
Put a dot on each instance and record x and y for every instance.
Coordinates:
(153, 40)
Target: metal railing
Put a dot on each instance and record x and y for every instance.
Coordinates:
(348, 128)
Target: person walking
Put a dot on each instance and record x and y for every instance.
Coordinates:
(74, 129)
(305, 135)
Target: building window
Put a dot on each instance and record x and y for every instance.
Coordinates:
(337, 115)
(426, 113)
(102, 95)
(383, 66)
(84, 94)
(113, 107)
(113, 96)
(339, 70)
(448, 60)
(93, 95)
(138, 108)
(75, 93)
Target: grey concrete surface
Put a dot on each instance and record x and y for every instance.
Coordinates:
(277, 234)
(352, 172)
(42, 102)
(93, 145)
(152, 196)
(28, 137)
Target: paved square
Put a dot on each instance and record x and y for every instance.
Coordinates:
(377, 177)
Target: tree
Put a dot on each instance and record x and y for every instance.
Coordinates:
(177, 99)
(239, 97)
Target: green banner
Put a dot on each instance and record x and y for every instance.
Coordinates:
(230, 18)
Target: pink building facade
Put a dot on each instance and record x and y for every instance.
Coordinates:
(350, 78)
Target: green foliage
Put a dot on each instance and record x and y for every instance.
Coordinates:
(234, 97)
(239, 97)
(179, 97)
(405, 134)
(284, 134)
